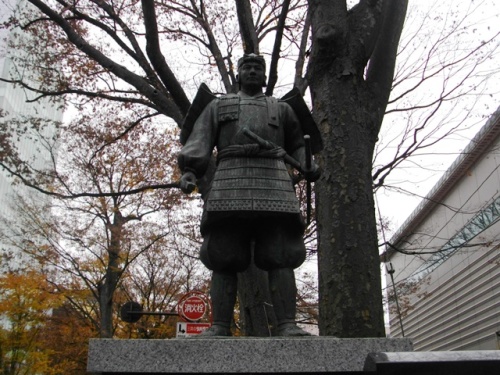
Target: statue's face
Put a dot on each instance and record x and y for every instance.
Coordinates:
(252, 74)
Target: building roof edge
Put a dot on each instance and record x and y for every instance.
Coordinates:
(471, 153)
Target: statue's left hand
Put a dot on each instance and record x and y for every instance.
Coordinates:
(188, 182)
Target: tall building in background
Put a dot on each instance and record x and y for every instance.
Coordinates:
(14, 104)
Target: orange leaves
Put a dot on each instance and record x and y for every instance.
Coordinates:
(25, 305)
(26, 295)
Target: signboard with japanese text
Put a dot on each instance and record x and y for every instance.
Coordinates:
(194, 306)
(187, 329)
(195, 311)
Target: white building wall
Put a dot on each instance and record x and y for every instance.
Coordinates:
(457, 303)
(14, 102)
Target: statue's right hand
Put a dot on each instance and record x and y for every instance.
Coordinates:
(188, 182)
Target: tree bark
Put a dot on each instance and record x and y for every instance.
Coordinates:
(350, 296)
(158, 60)
(349, 110)
(108, 286)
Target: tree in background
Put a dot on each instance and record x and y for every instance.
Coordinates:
(25, 303)
(92, 240)
(350, 72)
(67, 336)
(158, 279)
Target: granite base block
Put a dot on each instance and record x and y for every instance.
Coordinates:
(236, 355)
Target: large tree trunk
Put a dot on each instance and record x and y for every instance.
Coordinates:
(350, 296)
(349, 101)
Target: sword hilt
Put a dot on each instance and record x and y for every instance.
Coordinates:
(307, 141)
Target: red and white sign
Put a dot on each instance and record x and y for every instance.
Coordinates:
(186, 329)
(193, 306)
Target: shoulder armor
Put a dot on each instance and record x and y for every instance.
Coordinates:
(299, 106)
(203, 98)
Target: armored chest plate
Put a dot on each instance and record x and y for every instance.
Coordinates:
(258, 114)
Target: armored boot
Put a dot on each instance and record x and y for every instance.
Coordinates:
(284, 294)
(223, 294)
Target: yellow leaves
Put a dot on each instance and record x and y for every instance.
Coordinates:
(26, 295)
(25, 305)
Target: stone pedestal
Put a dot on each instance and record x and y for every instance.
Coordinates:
(237, 355)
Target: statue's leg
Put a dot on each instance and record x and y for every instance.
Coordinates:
(279, 249)
(284, 294)
(223, 294)
(226, 251)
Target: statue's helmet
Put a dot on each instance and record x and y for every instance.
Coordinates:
(252, 57)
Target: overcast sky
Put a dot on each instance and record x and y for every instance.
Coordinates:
(420, 174)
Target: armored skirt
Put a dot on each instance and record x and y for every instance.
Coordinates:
(252, 187)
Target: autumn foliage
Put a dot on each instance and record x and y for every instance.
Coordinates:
(25, 305)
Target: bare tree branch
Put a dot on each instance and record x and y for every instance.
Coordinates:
(89, 94)
(158, 60)
(162, 101)
(247, 28)
(380, 71)
(273, 69)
